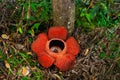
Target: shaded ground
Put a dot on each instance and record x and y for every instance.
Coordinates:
(99, 58)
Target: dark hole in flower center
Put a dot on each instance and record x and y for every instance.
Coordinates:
(56, 46)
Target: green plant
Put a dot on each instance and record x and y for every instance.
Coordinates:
(110, 46)
(91, 14)
(35, 13)
(2, 56)
(28, 16)
(37, 75)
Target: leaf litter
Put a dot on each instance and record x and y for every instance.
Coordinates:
(89, 65)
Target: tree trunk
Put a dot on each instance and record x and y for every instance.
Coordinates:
(64, 13)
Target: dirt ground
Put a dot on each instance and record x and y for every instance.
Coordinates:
(90, 64)
(99, 58)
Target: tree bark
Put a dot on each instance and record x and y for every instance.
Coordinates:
(64, 13)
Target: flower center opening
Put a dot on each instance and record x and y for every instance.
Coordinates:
(56, 46)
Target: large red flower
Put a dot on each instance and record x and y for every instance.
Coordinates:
(56, 49)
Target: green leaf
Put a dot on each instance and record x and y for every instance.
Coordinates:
(33, 7)
(2, 56)
(32, 18)
(31, 32)
(94, 11)
(102, 55)
(20, 30)
(118, 14)
(36, 26)
(24, 78)
(112, 55)
(78, 22)
(104, 8)
(23, 54)
(25, 5)
(88, 16)
(83, 12)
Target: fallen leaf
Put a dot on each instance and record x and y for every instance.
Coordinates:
(57, 76)
(86, 52)
(30, 53)
(25, 71)
(19, 46)
(2, 77)
(4, 36)
(33, 68)
(7, 65)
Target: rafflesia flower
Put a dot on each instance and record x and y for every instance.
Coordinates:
(56, 49)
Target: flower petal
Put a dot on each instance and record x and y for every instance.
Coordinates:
(72, 46)
(39, 44)
(57, 32)
(66, 62)
(45, 60)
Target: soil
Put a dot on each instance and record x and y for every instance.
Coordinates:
(89, 65)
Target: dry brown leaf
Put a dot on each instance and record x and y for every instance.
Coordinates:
(19, 46)
(4, 36)
(57, 76)
(7, 65)
(2, 77)
(86, 52)
(25, 71)
(30, 53)
(34, 68)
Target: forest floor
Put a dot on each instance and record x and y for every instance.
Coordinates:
(99, 58)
